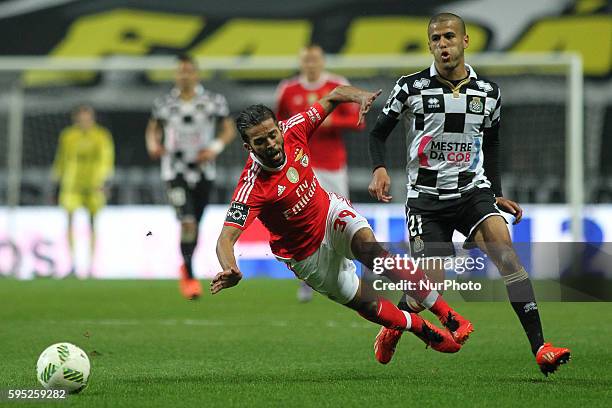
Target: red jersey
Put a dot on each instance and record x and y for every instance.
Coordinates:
(327, 146)
(288, 200)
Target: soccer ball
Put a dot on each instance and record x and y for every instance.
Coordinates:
(63, 366)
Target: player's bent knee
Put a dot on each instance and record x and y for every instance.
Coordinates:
(508, 261)
(364, 245)
(366, 308)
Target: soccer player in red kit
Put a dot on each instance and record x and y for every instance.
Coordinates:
(317, 233)
(297, 94)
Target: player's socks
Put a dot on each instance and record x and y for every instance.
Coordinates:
(459, 327)
(416, 277)
(187, 249)
(388, 315)
(522, 298)
(408, 304)
(421, 293)
(395, 321)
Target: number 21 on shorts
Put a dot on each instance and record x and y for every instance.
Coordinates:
(415, 225)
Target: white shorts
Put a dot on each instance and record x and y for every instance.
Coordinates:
(330, 270)
(334, 181)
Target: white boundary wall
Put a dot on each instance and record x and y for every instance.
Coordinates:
(37, 244)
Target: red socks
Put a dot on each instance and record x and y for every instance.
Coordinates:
(440, 308)
(421, 293)
(420, 290)
(388, 315)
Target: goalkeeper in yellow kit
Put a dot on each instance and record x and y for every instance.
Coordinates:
(83, 163)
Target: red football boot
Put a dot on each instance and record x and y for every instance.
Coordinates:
(190, 287)
(385, 343)
(458, 326)
(549, 358)
(436, 338)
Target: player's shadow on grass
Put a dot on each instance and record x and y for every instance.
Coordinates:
(560, 380)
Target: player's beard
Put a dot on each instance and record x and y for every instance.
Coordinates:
(274, 157)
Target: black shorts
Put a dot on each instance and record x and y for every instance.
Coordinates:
(189, 202)
(432, 222)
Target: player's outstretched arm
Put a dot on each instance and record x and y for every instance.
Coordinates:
(381, 182)
(225, 136)
(380, 185)
(228, 130)
(347, 93)
(231, 275)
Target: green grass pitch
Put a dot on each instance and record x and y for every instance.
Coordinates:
(254, 345)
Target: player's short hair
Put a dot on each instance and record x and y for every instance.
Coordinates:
(314, 46)
(253, 116)
(441, 17)
(187, 59)
(83, 107)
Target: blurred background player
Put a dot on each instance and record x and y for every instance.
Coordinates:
(295, 95)
(188, 129)
(83, 163)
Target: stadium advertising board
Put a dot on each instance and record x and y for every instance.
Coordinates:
(140, 242)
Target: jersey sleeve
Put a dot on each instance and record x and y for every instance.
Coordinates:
(346, 115)
(159, 111)
(246, 201)
(106, 157)
(491, 147)
(59, 163)
(222, 106)
(396, 103)
(493, 119)
(304, 124)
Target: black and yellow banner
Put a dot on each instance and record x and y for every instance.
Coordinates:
(239, 28)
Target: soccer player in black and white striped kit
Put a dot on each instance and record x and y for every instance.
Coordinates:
(451, 118)
(188, 129)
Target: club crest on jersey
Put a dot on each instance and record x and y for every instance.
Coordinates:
(485, 86)
(476, 105)
(293, 175)
(280, 190)
(301, 157)
(421, 83)
(312, 98)
(299, 152)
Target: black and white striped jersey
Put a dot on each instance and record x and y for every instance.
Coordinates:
(189, 126)
(444, 124)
